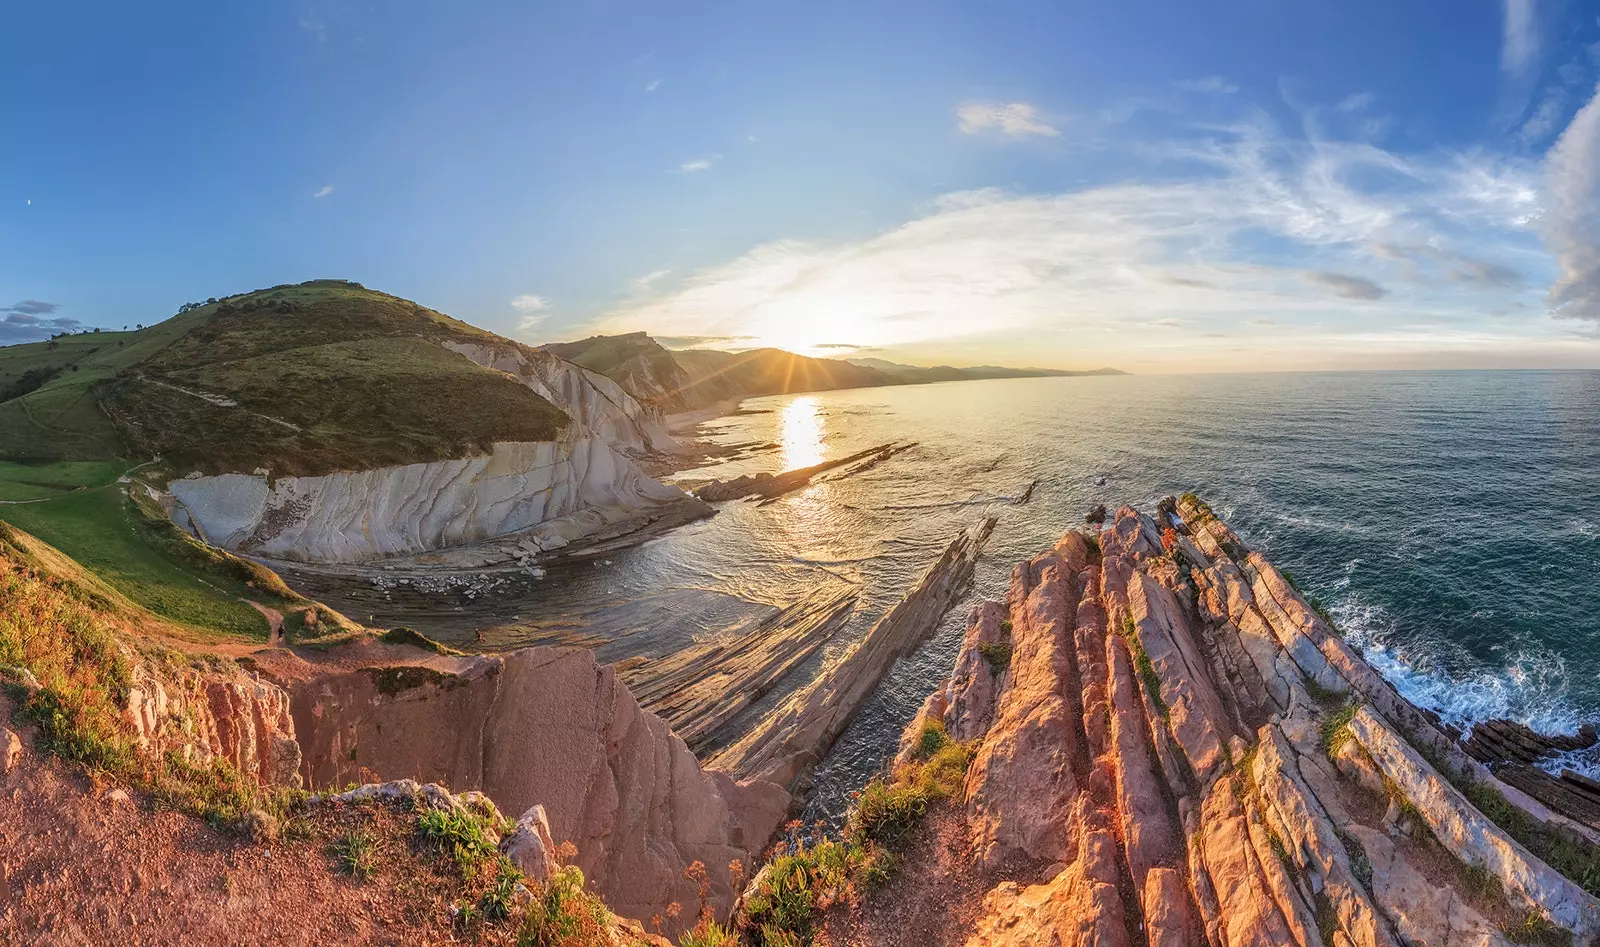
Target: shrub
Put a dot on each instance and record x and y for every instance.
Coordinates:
(997, 653)
(564, 914)
(459, 835)
(1335, 729)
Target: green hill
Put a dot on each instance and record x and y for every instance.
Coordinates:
(300, 379)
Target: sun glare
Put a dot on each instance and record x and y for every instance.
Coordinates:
(801, 430)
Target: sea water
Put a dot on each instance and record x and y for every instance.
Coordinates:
(1450, 521)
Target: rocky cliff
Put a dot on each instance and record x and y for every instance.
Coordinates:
(540, 487)
(543, 727)
(547, 726)
(1171, 747)
(555, 491)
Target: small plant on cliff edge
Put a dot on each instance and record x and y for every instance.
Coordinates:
(354, 854)
(1335, 729)
(1144, 667)
(564, 914)
(458, 834)
(997, 653)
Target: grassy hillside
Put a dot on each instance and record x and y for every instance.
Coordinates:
(636, 362)
(302, 379)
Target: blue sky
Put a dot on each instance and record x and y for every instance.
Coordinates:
(1162, 186)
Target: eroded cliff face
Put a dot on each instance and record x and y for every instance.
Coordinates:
(1181, 751)
(549, 727)
(553, 491)
(368, 514)
(593, 401)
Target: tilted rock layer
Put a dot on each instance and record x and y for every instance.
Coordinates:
(542, 731)
(1180, 751)
(585, 478)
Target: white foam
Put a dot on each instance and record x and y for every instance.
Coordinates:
(1530, 688)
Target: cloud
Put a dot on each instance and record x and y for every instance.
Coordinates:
(1571, 221)
(698, 164)
(31, 307)
(1258, 225)
(1424, 258)
(1212, 85)
(533, 309)
(1356, 102)
(32, 320)
(1016, 119)
(315, 26)
(1520, 38)
(1346, 286)
(323, 191)
(652, 85)
(643, 284)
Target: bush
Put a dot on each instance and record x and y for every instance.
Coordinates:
(997, 653)
(461, 836)
(564, 914)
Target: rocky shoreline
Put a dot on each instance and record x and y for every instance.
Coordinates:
(1177, 749)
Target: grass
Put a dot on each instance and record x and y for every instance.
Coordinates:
(463, 837)
(1576, 859)
(1145, 668)
(997, 653)
(41, 481)
(147, 559)
(785, 906)
(564, 914)
(1534, 928)
(353, 853)
(64, 631)
(1335, 730)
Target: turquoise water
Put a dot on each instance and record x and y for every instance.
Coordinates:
(1449, 520)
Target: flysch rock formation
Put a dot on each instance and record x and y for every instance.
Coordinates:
(1180, 751)
(546, 494)
(546, 727)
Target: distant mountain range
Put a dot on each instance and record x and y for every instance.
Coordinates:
(686, 379)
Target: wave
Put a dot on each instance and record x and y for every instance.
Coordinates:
(1531, 687)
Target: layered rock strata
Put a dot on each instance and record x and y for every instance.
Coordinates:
(548, 727)
(1173, 748)
(547, 732)
(788, 743)
(546, 493)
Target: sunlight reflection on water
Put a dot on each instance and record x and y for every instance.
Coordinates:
(801, 433)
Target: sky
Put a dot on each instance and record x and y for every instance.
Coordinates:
(1155, 186)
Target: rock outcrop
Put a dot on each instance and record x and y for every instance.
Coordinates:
(550, 493)
(547, 727)
(1177, 750)
(546, 493)
(214, 714)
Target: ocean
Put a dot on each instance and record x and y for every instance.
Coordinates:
(1450, 521)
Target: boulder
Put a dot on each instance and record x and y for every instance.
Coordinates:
(530, 847)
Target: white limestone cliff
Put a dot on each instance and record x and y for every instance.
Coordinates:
(560, 490)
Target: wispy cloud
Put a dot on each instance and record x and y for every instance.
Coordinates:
(323, 191)
(652, 85)
(1017, 119)
(1346, 286)
(643, 284)
(31, 307)
(1211, 85)
(33, 319)
(1519, 45)
(1571, 222)
(1276, 227)
(533, 309)
(697, 165)
(1355, 102)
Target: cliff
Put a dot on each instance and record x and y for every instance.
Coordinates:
(1169, 746)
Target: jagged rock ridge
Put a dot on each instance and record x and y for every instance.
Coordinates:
(1181, 751)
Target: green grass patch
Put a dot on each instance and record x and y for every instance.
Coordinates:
(997, 653)
(1576, 859)
(1535, 928)
(564, 913)
(149, 560)
(463, 837)
(410, 636)
(1335, 729)
(354, 853)
(45, 480)
(785, 906)
(1145, 668)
